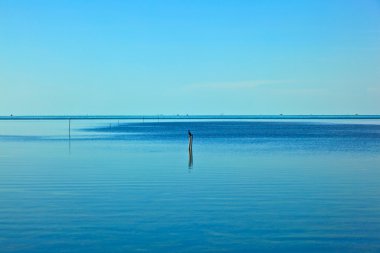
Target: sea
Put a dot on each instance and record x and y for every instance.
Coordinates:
(130, 184)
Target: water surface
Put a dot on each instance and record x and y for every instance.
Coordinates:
(126, 186)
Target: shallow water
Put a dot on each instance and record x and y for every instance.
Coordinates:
(126, 186)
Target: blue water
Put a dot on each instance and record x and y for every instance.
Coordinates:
(127, 186)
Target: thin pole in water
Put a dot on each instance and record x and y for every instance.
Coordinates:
(69, 136)
(69, 128)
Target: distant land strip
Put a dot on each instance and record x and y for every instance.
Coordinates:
(184, 117)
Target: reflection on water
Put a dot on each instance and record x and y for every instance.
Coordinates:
(257, 186)
(190, 158)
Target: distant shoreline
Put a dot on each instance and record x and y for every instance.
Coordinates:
(184, 117)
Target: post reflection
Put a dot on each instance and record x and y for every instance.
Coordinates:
(190, 159)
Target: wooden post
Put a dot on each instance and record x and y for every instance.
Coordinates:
(191, 143)
(190, 150)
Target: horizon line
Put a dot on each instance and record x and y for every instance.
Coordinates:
(191, 116)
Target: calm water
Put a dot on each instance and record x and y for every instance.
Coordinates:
(127, 186)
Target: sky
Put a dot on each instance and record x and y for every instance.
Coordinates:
(137, 57)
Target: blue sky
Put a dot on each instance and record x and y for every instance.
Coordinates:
(189, 57)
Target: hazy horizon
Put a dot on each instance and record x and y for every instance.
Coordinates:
(181, 115)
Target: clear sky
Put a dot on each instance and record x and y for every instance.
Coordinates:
(189, 57)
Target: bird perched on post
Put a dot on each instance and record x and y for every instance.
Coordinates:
(190, 141)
